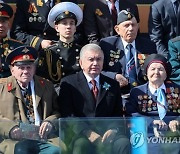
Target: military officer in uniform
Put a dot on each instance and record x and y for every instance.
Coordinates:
(30, 23)
(30, 100)
(174, 58)
(6, 44)
(62, 58)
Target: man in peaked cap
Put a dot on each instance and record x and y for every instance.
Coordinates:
(28, 102)
(62, 58)
(6, 44)
(118, 50)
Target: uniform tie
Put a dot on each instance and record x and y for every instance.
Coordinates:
(161, 103)
(29, 104)
(131, 67)
(94, 89)
(113, 11)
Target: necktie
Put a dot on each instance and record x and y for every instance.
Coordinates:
(94, 89)
(161, 103)
(131, 67)
(29, 105)
(113, 12)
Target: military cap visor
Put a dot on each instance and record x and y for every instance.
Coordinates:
(22, 55)
(5, 10)
(157, 58)
(65, 10)
(124, 16)
(65, 15)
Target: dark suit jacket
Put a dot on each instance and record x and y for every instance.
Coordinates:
(114, 43)
(98, 21)
(162, 24)
(31, 27)
(174, 59)
(76, 99)
(143, 102)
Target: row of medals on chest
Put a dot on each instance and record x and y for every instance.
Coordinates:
(146, 104)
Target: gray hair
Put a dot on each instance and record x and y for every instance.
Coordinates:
(91, 46)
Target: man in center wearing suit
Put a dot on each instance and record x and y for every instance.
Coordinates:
(117, 53)
(98, 17)
(79, 97)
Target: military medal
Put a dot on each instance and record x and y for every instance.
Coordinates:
(39, 3)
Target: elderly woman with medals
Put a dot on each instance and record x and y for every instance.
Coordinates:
(158, 98)
(62, 58)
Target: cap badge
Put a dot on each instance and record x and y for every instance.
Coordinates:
(25, 50)
(66, 12)
(26, 57)
(129, 16)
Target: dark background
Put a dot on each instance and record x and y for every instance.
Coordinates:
(82, 1)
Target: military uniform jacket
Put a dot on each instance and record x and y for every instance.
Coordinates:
(144, 103)
(30, 23)
(6, 46)
(97, 19)
(59, 60)
(115, 60)
(12, 106)
(174, 59)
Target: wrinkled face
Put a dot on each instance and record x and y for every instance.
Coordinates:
(128, 30)
(92, 63)
(66, 28)
(23, 73)
(4, 27)
(156, 73)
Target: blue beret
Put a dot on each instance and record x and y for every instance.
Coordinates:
(124, 16)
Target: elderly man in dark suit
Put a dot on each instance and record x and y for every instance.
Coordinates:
(91, 94)
(123, 53)
(164, 21)
(99, 15)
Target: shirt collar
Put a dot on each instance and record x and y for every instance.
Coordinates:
(126, 43)
(153, 90)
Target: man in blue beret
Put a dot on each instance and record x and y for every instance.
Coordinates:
(6, 44)
(125, 53)
(28, 107)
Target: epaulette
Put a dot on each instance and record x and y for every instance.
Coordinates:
(15, 40)
(53, 46)
(3, 80)
(176, 39)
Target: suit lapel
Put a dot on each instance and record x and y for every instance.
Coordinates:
(119, 46)
(39, 89)
(102, 91)
(85, 91)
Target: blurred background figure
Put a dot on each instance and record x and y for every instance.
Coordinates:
(174, 59)
(164, 21)
(6, 44)
(100, 17)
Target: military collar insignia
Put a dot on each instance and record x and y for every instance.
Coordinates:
(9, 86)
(67, 45)
(41, 82)
(98, 12)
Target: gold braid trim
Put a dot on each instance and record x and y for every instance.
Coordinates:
(49, 64)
